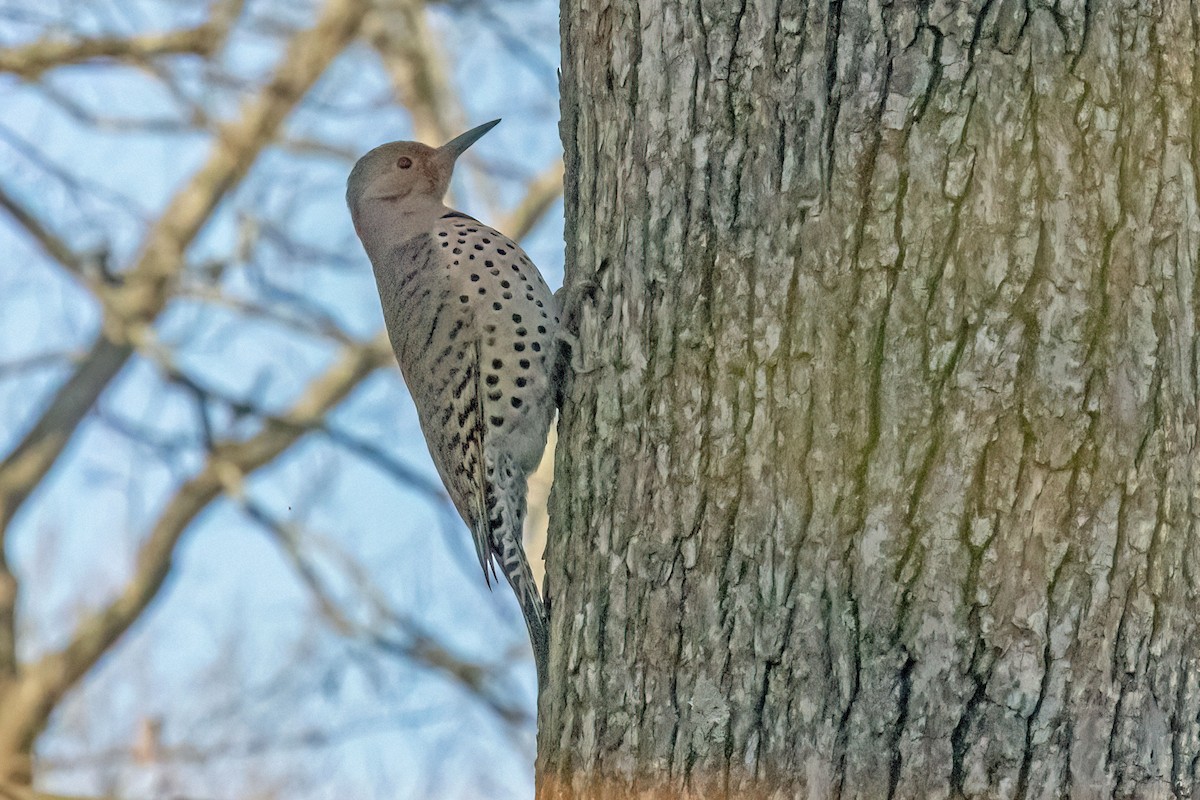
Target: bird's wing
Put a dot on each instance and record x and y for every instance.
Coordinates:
(455, 439)
(437, 347)
(472, 474)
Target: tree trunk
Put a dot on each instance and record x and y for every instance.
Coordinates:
(884, 481)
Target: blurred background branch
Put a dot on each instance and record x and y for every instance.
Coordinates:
(192, 353)
(31, 60)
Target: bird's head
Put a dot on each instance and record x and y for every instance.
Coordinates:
(405, 174)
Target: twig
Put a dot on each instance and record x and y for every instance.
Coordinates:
(413, 644)
(50, 242)
(146, 289)
(31, 60)
(28, 705)
(540, 194)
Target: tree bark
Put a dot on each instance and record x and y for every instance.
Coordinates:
(884, 481)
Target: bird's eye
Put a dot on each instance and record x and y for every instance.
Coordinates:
(404, 163)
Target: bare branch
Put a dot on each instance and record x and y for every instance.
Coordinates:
(8, 622)
(400, 34)
(412, 644)
(42, 683)
(36, 361)
(539, 196)
(399, 471)
(31, 60)
(12, 791)
(133, 306)
(83, 115)
(50, 242)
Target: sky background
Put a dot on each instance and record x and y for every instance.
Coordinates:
(246, 685)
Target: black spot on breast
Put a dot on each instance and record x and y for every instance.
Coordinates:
(521, 331)
(478, 247)
(497, 364)
(494, 396)
(462, 298)
(496, 421)
(474, 277)
(524, 363)
(519, 347)
(516, 317)
(541, 329)
(492, 380)
(537, 348)
(497, 306)
(520, 383)
(501, 251)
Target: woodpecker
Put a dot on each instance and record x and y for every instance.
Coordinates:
(473, 326)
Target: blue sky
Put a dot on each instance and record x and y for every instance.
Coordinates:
(234, 653)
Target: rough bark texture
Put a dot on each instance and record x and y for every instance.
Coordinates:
(884, 484)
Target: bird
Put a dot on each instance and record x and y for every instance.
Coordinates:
(473, 327)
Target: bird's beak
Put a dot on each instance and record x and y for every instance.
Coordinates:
(458, 145)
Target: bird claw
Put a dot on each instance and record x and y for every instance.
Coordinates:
(571, 340)
(570, 300)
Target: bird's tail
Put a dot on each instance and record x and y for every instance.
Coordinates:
(506, 518)
(520, 578)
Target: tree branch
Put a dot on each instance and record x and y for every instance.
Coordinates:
(413, 644)
(12, 791)
(50, 242)
(42, 684)
(31, 60)
(540, 194)
(133, 306)
(400, 34)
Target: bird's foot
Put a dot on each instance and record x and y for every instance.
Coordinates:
(570, 300)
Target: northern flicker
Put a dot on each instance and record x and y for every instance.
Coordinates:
(473, 326)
